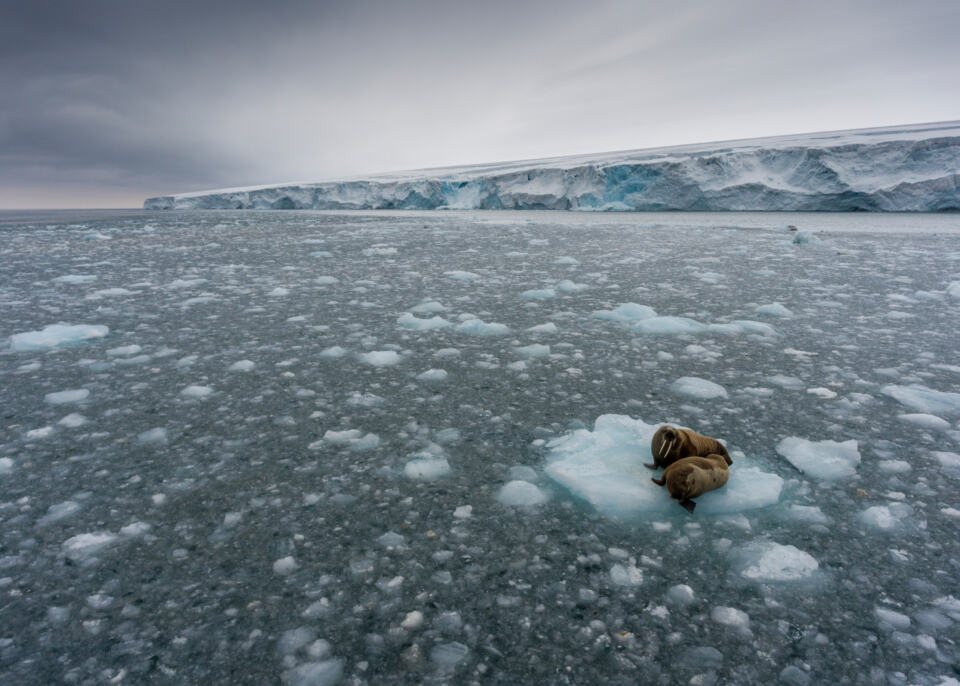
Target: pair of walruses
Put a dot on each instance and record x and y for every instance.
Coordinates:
(694, 463)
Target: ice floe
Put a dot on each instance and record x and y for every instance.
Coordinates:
(821, 459)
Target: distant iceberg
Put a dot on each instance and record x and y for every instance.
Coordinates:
(894, 169)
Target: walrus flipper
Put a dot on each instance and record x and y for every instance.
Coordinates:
(661, 482)
(688, 505)
(650, 465)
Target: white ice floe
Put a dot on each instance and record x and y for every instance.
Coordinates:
(605, 468)
(76, 395)
(154, 436)
(429, 307)
(279, 292)
(669, 326)
(56, 334)
(73, 420)
(948, 460)
(323, 673)
(6, 465)
(459, 275)
(83, 546)
(75, 279)
(196, 391)
(539, 294)
(333, 352)
(124, 350)
(773, 310)
(531, 351)
(478, 327)
(59, 512)
(770, 562)
(886, 517)
(821, 459)
(426, 467)
(408, 321)
(521, 494)
(326, 280)
(354, 439)
(626, 574)
(925, 421)
(892, 619)
(242, 366)
(626, 313)
(433, 376)
(285, 565)
(695, 387)
(567, 287)
(380, 358)
(681, 594)
(924, 399)
(549, 327)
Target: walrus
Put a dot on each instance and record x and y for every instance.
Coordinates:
(693, 476)
(670, 444)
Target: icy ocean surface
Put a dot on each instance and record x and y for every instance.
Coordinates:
(397, 448)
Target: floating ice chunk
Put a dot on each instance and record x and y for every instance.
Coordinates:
(42, 432)
(325, 673)
(242, 366)
(196, 391)
(567, 287)
(294, 639)
(773, 310)
(523, 473)
(73, 420)
(566, 259)
(448, 655)
(412, 620)
(886, 517)
(56, 334)
(6, 465)
(789, 382)
(178, 284)
(433, 376)
(669, 326)
(463, 512)
(821, 459)
(75, 279)
(478, 327)
(681, 594)
(605, 468)
(892, 619)
(447, 352)
(824, 393)
(391, 539)
(66, 397)
(408, 321)
(534, 350)
(326, 280)
(808, 513)
(110, 293)
(155, 436)
(458, 275)
(333, 352)
(354, 439)
(84, 546)
(429, 307)
(379, 250)
(626, 574)
(59, 512)
(445, 436)
(540, 294)
(894, 466)
(924, 399)
(285, 565)
(279, 292)
(695, 387)
(738, 620)
(380, 358)
(769, 562)
(947, 459)
(925, 421)
(365, 399)
(427, 468)
(744, 326)
(135, 529)
(627, 312)
(124, 351)
(549, 327)
(521, 494)
(953, 289)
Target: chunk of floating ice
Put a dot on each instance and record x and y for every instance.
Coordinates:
(242, 366)
(769, 562)
(84, 546)
(285, 565)
(353, 439)
(695, 387)
(535, 350)
(447, 655)
(549, 327)
(73, 420)
(731, 617)
(567, 286)
(566, 259)
(892, 618)
(926, 421)
(924, 399)
(325, 673)
(821, 459)
(681, 594)
(391, 539)
(743, 326)
(153, 436)
(427, 468)
(75, 279)
(433, 376)
(824, 393)
(380, 358)
(521, 494)
(124, 350)
(6, 465)
(627, 312)
(458, 275)
(59, 512)
(463, 512)
(65, 397)
(808, 513)
(669, 326)
(626, 574)
(56, 334)
(886, 517)
(326, 280)
(773, 310)
(948, 460)
(279, 292)
(478, 327)
(408, 321)
(333, 352)
(540, 294)
(605, 468)
(953, 289)
(429, 307)
(196, 391)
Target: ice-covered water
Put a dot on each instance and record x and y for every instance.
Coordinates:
(358, 448)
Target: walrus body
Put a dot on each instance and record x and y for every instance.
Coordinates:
(670, 444)
(693, 476)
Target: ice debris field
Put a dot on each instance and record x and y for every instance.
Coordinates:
(320, 448)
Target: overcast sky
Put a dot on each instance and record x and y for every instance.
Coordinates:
(103, 103)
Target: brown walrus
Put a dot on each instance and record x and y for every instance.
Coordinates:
(694, 476)
(670, 444)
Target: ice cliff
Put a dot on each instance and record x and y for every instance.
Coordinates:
(894, 169)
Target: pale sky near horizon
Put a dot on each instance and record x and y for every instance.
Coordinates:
(103, 103)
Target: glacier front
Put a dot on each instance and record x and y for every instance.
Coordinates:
(892, 169)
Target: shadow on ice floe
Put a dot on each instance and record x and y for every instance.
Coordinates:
(605, 468)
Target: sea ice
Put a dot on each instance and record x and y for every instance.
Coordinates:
(196, 391)
(821, 459)
(698, 388)
(380, 358)
(773, 310)
(531, 351)
(427, 467)
(242, 366)
(84, 546)
(540, 294)
(478, 327)
(124, 351)
(770, 562)
(925, 421)
(626, 313)
(669, 326)
(408, 321)
(567, 287)
(924, 399)
(521, 494)
(605, 468)
(459, 275)
(67, 397)
(886, 517)
(433, 376)
(56, 334)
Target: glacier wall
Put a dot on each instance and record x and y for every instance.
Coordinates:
(894, 169)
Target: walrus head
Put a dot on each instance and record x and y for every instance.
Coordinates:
(664, 441)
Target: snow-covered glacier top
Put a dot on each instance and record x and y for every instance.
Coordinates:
(893, 169)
